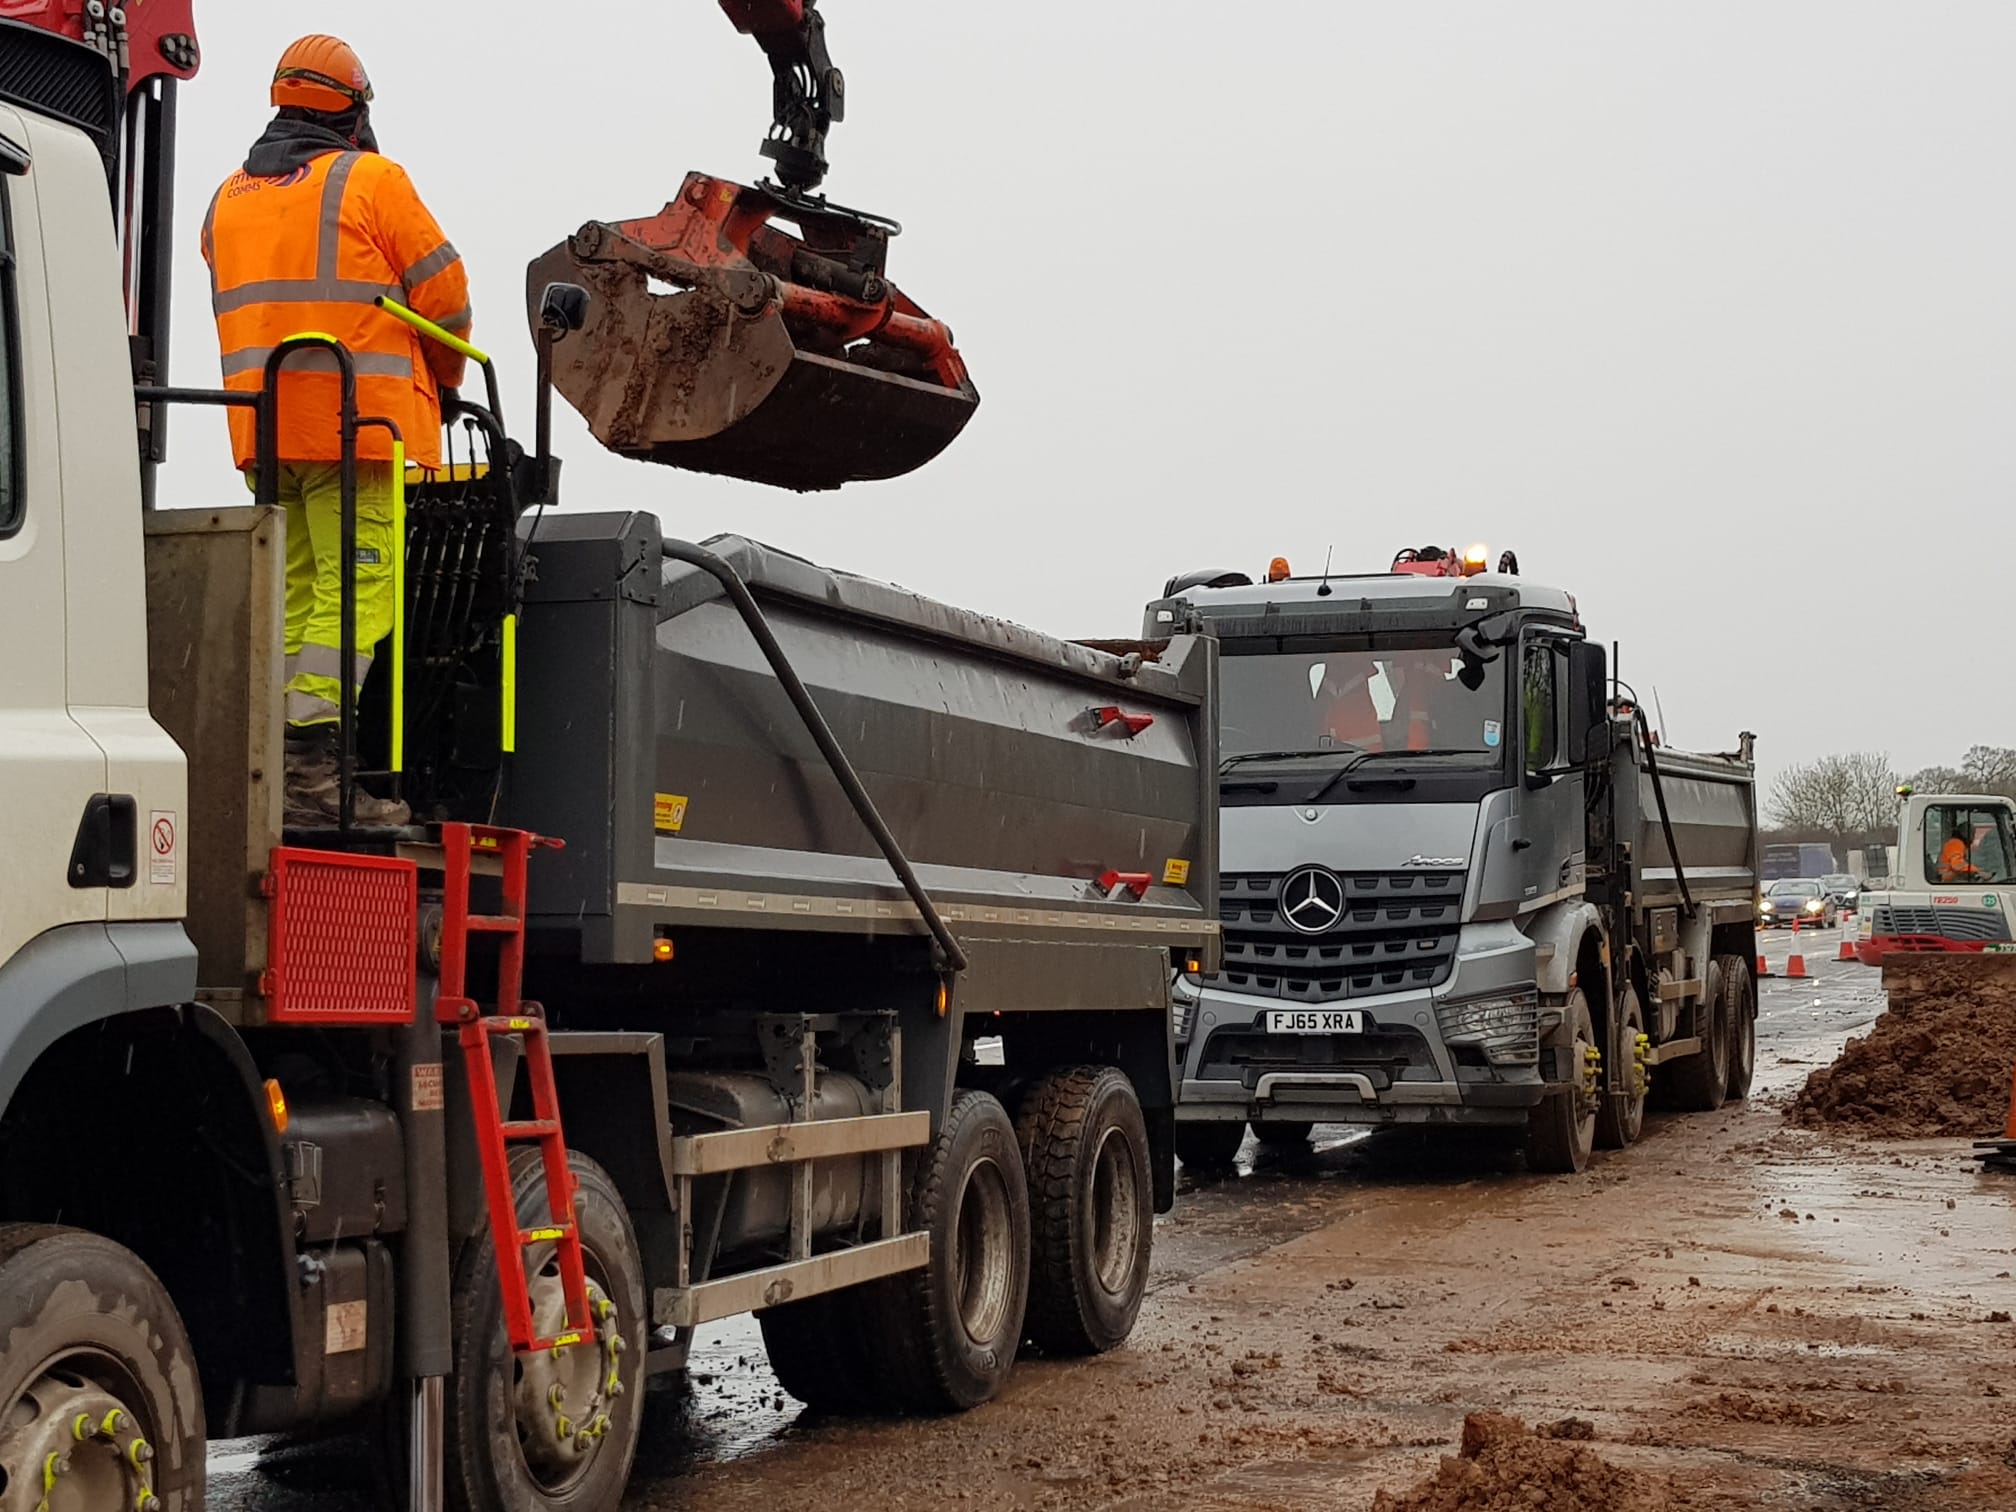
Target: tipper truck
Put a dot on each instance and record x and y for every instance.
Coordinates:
(667, 1007)
(1461, 882)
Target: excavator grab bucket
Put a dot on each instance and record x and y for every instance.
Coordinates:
(718, 342)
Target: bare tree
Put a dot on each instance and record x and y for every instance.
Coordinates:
(1990, 769)
(1939, 779)
(1842, 796)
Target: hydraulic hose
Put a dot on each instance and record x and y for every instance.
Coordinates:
(953, 957)
(1665, 819)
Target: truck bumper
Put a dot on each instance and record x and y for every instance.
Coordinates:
(1350, 1098)
(1398, 1071)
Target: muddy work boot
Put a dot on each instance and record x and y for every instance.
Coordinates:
(310, 797)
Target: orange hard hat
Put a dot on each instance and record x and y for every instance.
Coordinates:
(320, 73)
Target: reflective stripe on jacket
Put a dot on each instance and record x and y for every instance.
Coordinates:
(309, 252)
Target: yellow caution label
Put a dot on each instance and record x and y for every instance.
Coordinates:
(668, 813)
(534, 1236)
(1175, 873)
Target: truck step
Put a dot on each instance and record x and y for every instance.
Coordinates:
(705, 1301)
(780, 1144)
(531, 1128)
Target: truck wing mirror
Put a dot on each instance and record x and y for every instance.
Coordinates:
(1587, 715)
(563, 307)
(1477, 653)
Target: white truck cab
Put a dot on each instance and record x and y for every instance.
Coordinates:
(1955, 875)
(95, 789)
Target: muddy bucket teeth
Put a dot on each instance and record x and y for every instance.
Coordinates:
(718, 343)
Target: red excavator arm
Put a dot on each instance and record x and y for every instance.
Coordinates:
(809, 94)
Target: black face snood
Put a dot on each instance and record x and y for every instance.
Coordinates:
(296, 137)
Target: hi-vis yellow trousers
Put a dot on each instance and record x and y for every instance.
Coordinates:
(313, 497)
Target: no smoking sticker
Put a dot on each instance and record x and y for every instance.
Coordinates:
(161, 844)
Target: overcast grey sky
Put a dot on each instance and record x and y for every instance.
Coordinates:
(1709, 310)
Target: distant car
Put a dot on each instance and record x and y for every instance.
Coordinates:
(1842, 888)
(1798, 899)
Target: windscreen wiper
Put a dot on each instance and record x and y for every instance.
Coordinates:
(1364, 756)
(1245, 756)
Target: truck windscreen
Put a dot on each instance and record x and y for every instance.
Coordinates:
(1384, 699)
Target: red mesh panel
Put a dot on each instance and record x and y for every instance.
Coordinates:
(341, 938)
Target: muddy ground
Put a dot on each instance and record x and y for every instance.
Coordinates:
(1768, 1316)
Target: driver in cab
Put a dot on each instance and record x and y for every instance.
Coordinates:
(1349, 716)
(1955, 865)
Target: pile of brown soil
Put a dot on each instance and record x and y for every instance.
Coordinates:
(1935, 1064)
(1505, 1467)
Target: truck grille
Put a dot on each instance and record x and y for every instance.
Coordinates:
(1397, 932)
(1986, 924)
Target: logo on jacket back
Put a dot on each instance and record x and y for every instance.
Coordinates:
(244, 183)
(1312, 899)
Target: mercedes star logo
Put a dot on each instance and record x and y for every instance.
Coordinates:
(1312, 900)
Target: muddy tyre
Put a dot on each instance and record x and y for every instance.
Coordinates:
(1561, 1131)
(91, 1331)
(1091, 1209)
(950, 1331)
(1281, 1135)
(819, 1351)
(1206, 1148)
(1739, 1025)
(1619, 1121)
(1700, 1083)
(508, 1444)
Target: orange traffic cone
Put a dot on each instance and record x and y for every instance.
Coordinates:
(1763, 966)
(2009, 1129)
(1847, 948)
(1795, 963)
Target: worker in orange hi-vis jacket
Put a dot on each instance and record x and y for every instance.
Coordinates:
(305, 237)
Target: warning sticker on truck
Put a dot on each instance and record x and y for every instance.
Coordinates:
(1175, 873)
(161, 848)
(427, 1087)
(668, 814)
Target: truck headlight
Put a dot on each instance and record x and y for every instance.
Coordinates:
(1506, 1026)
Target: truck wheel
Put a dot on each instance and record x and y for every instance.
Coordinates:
(1282, 1134)
(818, 1350)
(1561, 1131)
(952, 1328)
(1091, 1209)
(93, 1340)
(540, 1432)
(1619, 1121)
(1739, 1023)
(1700, 1083)
(1209, 1147)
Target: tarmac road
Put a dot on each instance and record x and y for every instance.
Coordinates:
(1773, 1316)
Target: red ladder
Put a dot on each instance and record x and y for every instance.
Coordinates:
(460, 844)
